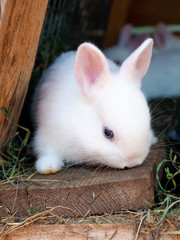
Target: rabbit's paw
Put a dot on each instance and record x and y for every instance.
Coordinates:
(49, 164)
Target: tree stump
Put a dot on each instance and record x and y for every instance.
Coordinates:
(81, 191)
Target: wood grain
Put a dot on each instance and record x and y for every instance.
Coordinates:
(78, 190)
(20, 27)
(126, 231)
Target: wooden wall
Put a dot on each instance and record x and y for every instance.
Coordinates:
(140, 13)
(150, 12)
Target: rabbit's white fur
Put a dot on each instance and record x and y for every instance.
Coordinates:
(163, 77)
(165, 41)
(78, 96)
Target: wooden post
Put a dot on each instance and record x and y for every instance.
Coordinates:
(20, 27)
(116, 20)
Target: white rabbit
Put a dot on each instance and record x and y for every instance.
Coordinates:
(163, 77)
(127, 43)
(164, 39)
(119, 52)
(89, 112)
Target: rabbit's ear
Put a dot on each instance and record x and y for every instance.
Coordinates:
(136, 65)
(125, 35)
(91, 69)
(161, 35)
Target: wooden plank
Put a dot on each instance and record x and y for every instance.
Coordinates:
(79, 190)
(20, 27)
(126, 231)
(117, 18)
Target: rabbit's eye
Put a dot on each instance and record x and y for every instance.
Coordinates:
(108, 133)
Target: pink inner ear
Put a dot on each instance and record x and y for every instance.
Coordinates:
(136, 65)
(142, 64)
(91, 69)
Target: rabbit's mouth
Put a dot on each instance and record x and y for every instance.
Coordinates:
(134, 161)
